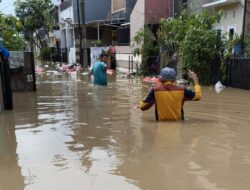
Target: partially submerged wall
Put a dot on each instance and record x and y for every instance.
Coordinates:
(124, 59)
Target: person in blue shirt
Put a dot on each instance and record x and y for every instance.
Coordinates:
(99, 71)
(5, 53)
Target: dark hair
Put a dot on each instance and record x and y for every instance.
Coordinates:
(103, 55)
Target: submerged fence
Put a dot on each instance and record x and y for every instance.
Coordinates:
(239, 73)
(16, 74)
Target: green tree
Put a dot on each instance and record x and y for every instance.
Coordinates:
(11, 28)
(247, 44)
(192, 37)
(145, 44)
(34, 16)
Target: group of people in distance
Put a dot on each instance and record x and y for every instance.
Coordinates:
(167, 96)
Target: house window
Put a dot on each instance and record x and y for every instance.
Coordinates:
(231, 33)
(123, 36)
(63, 39)
(118, 5)
(71, 38)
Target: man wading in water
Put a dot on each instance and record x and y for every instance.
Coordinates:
(169, 98)
(99, 71)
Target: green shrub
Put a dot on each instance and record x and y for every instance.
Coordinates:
(45, 53)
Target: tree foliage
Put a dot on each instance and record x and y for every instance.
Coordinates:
(34, 15)
(192, 37)
(145, 44)
(11, 28)
(45, 54)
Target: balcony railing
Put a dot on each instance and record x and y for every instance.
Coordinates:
(217, 3)
(119, 14)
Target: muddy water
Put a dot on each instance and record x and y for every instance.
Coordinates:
(71, 135)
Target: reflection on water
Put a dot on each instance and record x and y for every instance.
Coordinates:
(71, 135)
(10, 171)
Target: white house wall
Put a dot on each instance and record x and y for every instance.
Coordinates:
(57, 34)
(137, 18)
(232, 18)
(123, 53)
(67, 34)
(247, 29)
(63, 38)
(232, 14)
(67, 13)
(72, 55)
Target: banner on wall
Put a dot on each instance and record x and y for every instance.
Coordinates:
(95, 53)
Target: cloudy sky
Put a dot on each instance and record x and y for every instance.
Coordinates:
(7, 6)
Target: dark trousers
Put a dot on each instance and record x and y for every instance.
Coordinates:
(6, 84)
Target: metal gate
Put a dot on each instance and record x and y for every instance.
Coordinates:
(22, 71)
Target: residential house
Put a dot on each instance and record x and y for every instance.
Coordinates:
(105, 22)
(67, 26)
(232, 21)
(144, 13)
(99, 26)
(111, 23)
(51, 38)
(55, 34)
(54, 41)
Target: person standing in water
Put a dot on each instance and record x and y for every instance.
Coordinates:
(99, 71)
(169, 98)
(6, 76)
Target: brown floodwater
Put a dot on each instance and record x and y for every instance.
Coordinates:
(71, 135)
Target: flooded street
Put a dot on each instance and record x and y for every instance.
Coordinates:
(71, 135)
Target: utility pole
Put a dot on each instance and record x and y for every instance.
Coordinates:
(79, 32)
(243, 28)
(84, 34)
(173, 7)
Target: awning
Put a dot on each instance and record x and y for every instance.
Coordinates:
(219, 3)
(117, 22)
